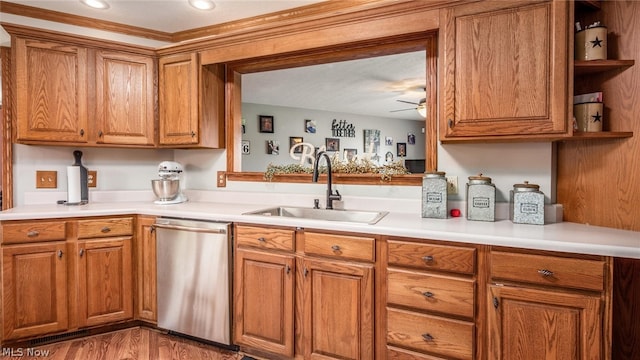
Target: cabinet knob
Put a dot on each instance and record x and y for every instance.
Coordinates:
(427, 258)
(81, 252)
(428, 294)
(33, 233)
(287, 269)
(105, 229)
(545, 272)
(450, 122)
(305, 271)
(60, 253)
(427, 337)
(81, 132)
(100, 133)
(193, 134)
(496, 303)
(262, 239)
(335, 248)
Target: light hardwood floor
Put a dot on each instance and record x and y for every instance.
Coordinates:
(137, 343)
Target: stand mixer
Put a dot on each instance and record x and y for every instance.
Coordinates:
(167, 188)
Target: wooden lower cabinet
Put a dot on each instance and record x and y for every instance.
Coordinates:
(543, 324)
(543, 305)
(105, 291)
(296, 304)
(65, 274)
(34, 289)
(145, 299)
(264, 310)
(338, 310)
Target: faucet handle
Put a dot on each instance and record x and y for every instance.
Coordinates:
(338, 195)
(316, 203)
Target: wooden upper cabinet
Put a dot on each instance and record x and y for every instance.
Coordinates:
(191, 100)
(51, 91)
(504, 72)
(124, 99)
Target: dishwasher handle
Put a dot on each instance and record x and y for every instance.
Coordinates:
(190, 228)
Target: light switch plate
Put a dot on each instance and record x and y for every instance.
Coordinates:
(46, 179)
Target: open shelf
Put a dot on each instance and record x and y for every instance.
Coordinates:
(596, 66)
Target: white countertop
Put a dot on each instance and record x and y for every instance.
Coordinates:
(564, 236)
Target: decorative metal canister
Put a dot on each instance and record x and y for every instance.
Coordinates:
(481, 199)
(526, 204)
(434, 195)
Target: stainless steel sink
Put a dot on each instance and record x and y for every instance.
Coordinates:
(356, 216)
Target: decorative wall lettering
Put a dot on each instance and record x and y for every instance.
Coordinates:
(342, 129)
(304, 152)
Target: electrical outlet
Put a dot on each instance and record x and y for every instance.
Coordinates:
(46, 179)
(92, 178)
(452, 185)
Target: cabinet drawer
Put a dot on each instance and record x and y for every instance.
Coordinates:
(104, 227)
(433, 334)
(266, 238)
(548, 270)
(34, 231)
(394, 353)
(339, 246)
(445, 294)
(433, 257)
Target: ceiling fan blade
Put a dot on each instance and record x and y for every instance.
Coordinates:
(402, 110)
(408, 102)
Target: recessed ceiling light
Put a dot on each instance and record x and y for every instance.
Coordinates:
(96, 4)
(202, 4)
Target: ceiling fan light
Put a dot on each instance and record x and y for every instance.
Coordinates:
(96, 4)
(202, 4)
(422, 108)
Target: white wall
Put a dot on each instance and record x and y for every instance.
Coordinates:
(132, 169)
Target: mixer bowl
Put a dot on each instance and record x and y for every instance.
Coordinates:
(165, 189)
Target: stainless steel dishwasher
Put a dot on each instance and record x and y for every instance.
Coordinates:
(194, 278)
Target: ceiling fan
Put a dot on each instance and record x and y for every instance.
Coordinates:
(421, 106)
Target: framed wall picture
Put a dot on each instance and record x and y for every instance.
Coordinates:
(293, 140)
(350, 154)
(273, 147)
(266, 123)
(332, 144)
(310, 126)
(401, 149)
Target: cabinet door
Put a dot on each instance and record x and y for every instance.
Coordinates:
(34, 287)
(104, 281)
(178, 96)
(146, 296)
(538, 324)
(504, 70)
(264, 291)
(51, 91)
(337, 310)
(124, 99)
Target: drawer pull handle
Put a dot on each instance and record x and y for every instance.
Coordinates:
(427, 258)
(545, 272)
(427, 337)
(428, 294)
(105, 229)
(261, 239)
(335, 248)
(33, 233)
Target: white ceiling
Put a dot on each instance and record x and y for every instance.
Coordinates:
(369, 86)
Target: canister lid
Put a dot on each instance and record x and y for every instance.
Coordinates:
(434, 174)
(526, 187)
(479, 180)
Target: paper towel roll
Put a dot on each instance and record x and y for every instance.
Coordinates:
(73, 185)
